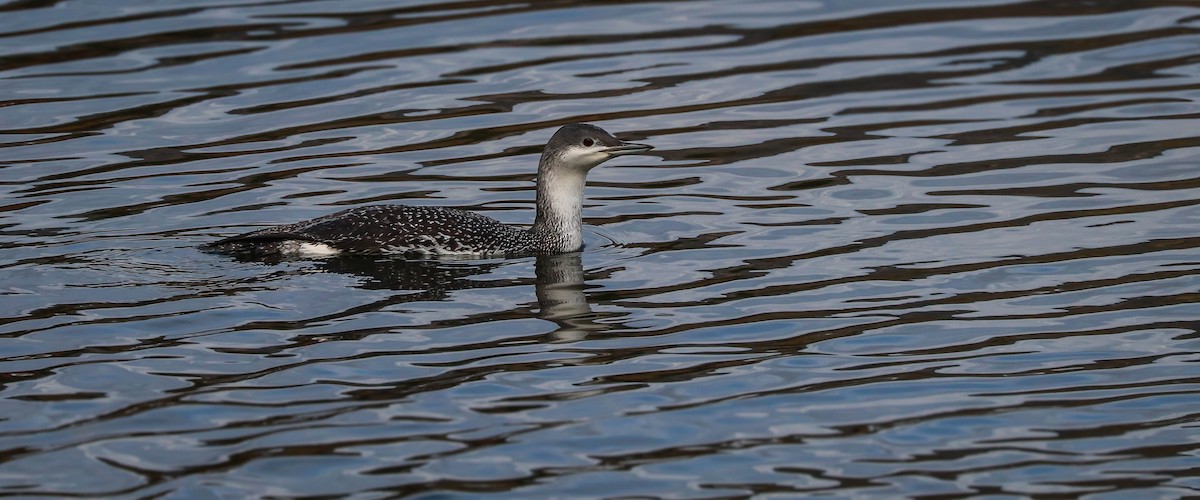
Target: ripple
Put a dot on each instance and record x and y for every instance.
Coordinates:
(938, 248)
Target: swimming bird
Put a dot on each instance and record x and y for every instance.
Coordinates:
(434, 231)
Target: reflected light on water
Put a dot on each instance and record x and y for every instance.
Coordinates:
(881, 249)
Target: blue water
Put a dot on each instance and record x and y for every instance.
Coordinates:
(882, 249)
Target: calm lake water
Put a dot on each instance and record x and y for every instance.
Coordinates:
(882, 249)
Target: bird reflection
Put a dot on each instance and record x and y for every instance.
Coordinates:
(433, 277)
(559, 289)
(558, 285)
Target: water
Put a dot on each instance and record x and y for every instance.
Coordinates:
(882, 249)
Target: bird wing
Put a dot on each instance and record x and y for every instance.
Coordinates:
(398, 227)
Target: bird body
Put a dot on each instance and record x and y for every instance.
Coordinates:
(434, 231)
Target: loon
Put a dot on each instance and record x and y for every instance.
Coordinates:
(434, 231)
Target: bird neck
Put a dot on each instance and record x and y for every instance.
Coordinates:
(559, 221)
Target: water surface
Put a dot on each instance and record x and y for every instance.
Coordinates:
(882, 249)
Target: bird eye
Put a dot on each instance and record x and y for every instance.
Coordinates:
(587, 143)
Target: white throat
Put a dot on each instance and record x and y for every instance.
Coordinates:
(560, 209)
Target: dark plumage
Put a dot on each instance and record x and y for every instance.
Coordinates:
(402, 229)
(388, 229)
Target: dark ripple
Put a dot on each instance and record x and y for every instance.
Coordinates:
(896, 250)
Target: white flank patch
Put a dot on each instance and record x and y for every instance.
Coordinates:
(316, 250)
